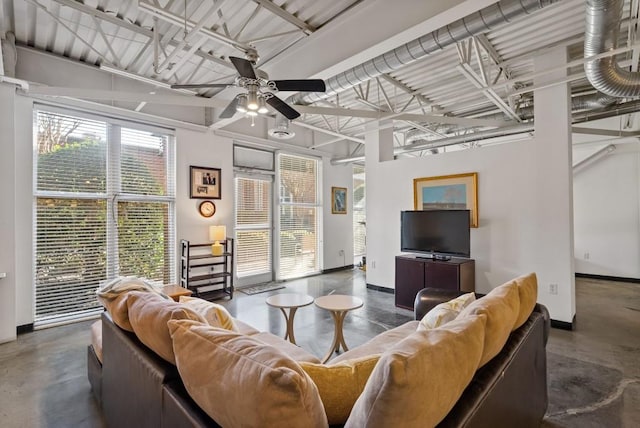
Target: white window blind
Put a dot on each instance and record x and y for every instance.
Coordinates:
(104, 203)
(253, 226)
(298, 216)
(359, 212)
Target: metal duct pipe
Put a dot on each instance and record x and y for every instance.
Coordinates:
(601, 35)
(581, 102)
(478, 22)
(581, 117)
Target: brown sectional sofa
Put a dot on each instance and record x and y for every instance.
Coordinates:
(138, 388)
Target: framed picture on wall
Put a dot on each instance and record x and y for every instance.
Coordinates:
(204, 183)
(448, 192)
(338, 200)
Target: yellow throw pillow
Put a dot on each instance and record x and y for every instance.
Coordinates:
(419, 380)
(149, 316)
(340, 385)
(445, 312)
(528, 292)
(241, 382)
(501, 306)
(215, 314)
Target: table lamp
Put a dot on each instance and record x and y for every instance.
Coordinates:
(217, 234)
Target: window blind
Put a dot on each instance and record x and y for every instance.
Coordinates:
(104, 203)
(253, 226)
(359, 212)
(298, 216)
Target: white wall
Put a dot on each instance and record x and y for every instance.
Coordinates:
(506, 243)
(607, 212)
(8, 234)
(338, 228)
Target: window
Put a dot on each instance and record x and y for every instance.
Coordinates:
(298, 216)
(359, 212)
(104, 203)
(253, 226)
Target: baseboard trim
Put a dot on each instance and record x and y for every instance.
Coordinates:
(608, 278)
(563, 325)
(381, 289)
(348, 267)
(27, 328)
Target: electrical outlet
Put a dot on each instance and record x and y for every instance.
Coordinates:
(586, 256)
(341, 253)
(553, 288)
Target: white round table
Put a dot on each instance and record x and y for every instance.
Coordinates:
(338, 305)
(292, 302)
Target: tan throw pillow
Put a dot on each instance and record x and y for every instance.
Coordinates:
(119, 310)
(215, 314)
(149, 316)
(340, 385)
(501, 306)
(239, 381)
(528, 292)
(445, 312)
(418, 381)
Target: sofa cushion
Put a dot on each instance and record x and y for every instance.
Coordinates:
(215, 314)
(296, 353)
(149, 314)
(340, 384)
(96, 339)
(118, 309)
(445, 312)
(378, 344)
(528, 292)
(244, 328)
(501, 306)
(240, 381)
(418, 381)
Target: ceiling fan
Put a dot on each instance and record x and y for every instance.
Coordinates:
(259, 89)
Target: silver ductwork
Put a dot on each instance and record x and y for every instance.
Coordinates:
(601, 35)
(580, 102)
(580, 117)
(502, 12)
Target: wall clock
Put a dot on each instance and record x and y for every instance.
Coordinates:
(207, 209)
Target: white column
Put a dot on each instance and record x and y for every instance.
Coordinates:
(554, 191)
(378, 142)
(7, 215)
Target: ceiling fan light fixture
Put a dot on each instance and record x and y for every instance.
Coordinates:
(262, 106)
(252, 100)
(252, 113)
(241, 106)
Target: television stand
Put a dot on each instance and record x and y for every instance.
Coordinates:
(415, 273)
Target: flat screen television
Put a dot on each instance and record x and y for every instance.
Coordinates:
(438, 233)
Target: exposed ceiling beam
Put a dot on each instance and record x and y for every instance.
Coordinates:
(604, 132)
(325, 131)
(174, 19)
(135, 28)
(292, 19)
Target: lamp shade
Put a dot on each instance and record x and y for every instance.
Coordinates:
(217, 233)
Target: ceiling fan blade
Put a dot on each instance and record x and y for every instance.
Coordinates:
(230, 110)
(305, 85)
(285, 109)
(202, 86)
(244, 67)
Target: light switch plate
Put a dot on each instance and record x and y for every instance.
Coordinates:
(3, 274)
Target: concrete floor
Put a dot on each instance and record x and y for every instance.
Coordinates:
(594, 371)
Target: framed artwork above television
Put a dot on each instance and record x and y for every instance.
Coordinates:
(448, 192)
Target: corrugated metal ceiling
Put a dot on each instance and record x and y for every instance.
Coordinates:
(120, 33)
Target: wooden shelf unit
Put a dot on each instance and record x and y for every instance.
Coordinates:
(415, 273)
(209, 277)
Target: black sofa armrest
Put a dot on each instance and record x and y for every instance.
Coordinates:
(428, 298)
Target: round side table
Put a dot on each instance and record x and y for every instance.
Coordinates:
(292, 302)
(338, 305)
